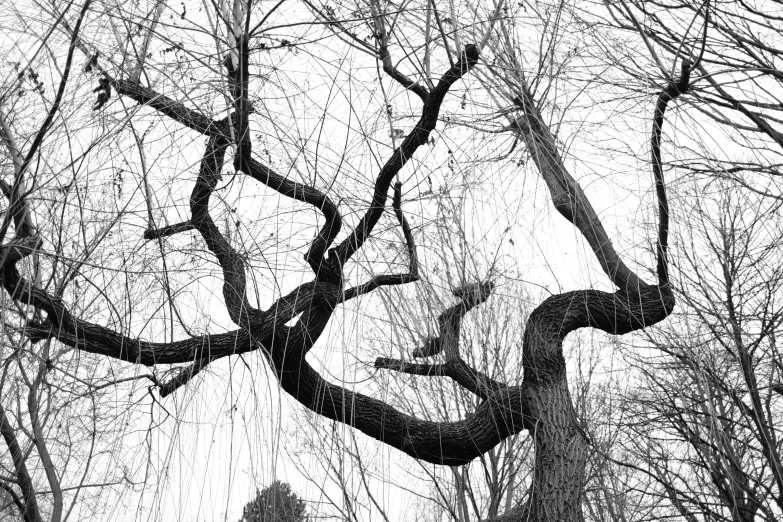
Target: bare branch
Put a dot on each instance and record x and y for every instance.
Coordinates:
(168, 230)
(183, 377)
(413, 263)
(175, 110)
(404, 152)
(383, 52)
(670, 93)
(311, 195)
(30, 511)
(458, 370)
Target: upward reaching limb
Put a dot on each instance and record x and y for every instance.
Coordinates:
(567, 196)
(417, 137)
(561, 446)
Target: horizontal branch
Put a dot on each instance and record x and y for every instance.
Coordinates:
(168, 230)
(377, 282)
(458, 370)
(97, 339)
(174, 109)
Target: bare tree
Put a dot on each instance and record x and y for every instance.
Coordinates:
(208, 93)
(732, 129)
(706, 409)
(708, 444)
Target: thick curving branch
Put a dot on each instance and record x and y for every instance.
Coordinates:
(448, 443)
(417, 137)
(93, 338)
(220, 129)
(97, 339)
(234, 278)
(561, 446)
(311, 195)
(615, 313)
(567, 196)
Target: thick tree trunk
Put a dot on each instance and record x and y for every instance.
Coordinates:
(561, 455)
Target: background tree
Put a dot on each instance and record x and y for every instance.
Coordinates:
(698, 437)
(275, 503)
(709, 442)
(732, 128)
(227, 167)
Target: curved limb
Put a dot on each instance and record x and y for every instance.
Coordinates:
(447, 443)
(417, 137)
(311, 195)
(234, 277)
(413, 260)
(670, 93)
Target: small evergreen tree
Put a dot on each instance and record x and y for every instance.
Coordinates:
(275, 503)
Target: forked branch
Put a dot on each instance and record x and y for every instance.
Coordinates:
(448, 341)
(383, 52)
(417, 137)
(413, 261)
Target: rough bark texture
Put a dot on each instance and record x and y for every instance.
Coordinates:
(541, 404)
